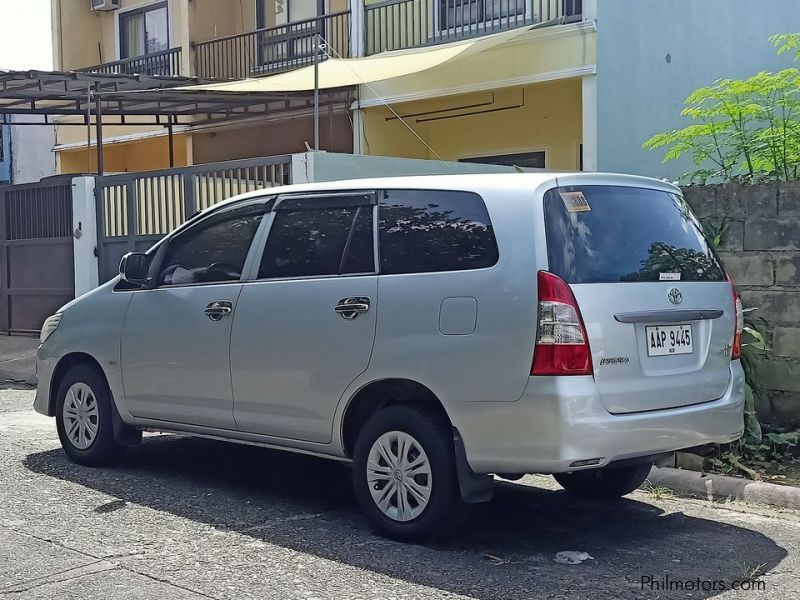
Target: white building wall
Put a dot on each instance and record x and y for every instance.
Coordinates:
(331, 166)
(651, 54)
(32, 156)
(84, 245)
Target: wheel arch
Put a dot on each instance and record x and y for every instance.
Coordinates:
(64, 364)
(378, 394)
(123, 433)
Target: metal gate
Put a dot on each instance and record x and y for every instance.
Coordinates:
(135, 210)
(36, 257)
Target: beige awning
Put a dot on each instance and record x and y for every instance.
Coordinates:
(343, 72)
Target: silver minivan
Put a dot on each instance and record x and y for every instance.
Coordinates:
(434, 331)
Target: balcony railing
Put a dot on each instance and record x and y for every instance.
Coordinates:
(398, 24)
(166, 62)
(273, 49)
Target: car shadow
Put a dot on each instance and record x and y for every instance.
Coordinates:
(505, 550)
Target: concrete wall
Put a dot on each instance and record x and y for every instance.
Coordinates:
(761, 251)
(5, 153)
(32, 153)
(26, 153)
(84, 246)
(640, 91)
(324, 166)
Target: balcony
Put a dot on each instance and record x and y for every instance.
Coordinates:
(388, 25)
(273, 49)
(166, 62)
(399, 24)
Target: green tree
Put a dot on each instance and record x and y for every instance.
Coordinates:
(787, 42)
(747, 129)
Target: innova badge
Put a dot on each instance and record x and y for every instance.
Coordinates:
(675, 296)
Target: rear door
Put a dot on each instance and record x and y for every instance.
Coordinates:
(304, 329)
(655, 300)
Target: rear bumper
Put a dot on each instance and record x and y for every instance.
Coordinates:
(560, 420)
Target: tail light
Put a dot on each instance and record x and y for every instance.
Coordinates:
(562, 347)
(738, 327)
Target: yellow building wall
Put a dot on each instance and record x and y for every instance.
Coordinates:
(76, 35)
(84, 38)
(210, 19)
(269, 139)
(544, 116)
(141, 155)
(271, 9)
(119, 156)
(523, 95)
(338, 30)
(78, 134)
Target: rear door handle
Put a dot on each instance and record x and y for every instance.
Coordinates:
(218, 309)
(350, 308)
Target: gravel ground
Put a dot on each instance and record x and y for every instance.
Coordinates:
(189, 518)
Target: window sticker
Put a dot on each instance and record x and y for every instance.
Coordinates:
(575, 202)
(669, 276)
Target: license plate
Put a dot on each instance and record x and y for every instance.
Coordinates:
(664, 340)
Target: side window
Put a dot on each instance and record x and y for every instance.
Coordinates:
(213, 250)
(434, 230)
(319, 241)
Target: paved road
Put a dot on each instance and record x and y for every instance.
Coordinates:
(182, 518)
(18, 360)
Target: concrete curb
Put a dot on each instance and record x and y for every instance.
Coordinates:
(715, 486)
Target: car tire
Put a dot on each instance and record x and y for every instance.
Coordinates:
(84, 418)
(410, 448)
(606, 483)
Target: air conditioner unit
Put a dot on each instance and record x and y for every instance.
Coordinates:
(105, 4)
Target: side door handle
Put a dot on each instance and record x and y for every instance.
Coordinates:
(350, 308)
(218, 309)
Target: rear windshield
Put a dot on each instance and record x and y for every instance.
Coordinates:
(608, 234)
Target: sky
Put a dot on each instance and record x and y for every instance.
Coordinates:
(25, 35)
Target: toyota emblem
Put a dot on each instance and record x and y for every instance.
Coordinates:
(675, 296)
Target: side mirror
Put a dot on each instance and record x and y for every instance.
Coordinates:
(134, 267)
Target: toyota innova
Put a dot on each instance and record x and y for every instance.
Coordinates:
(434, 331)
